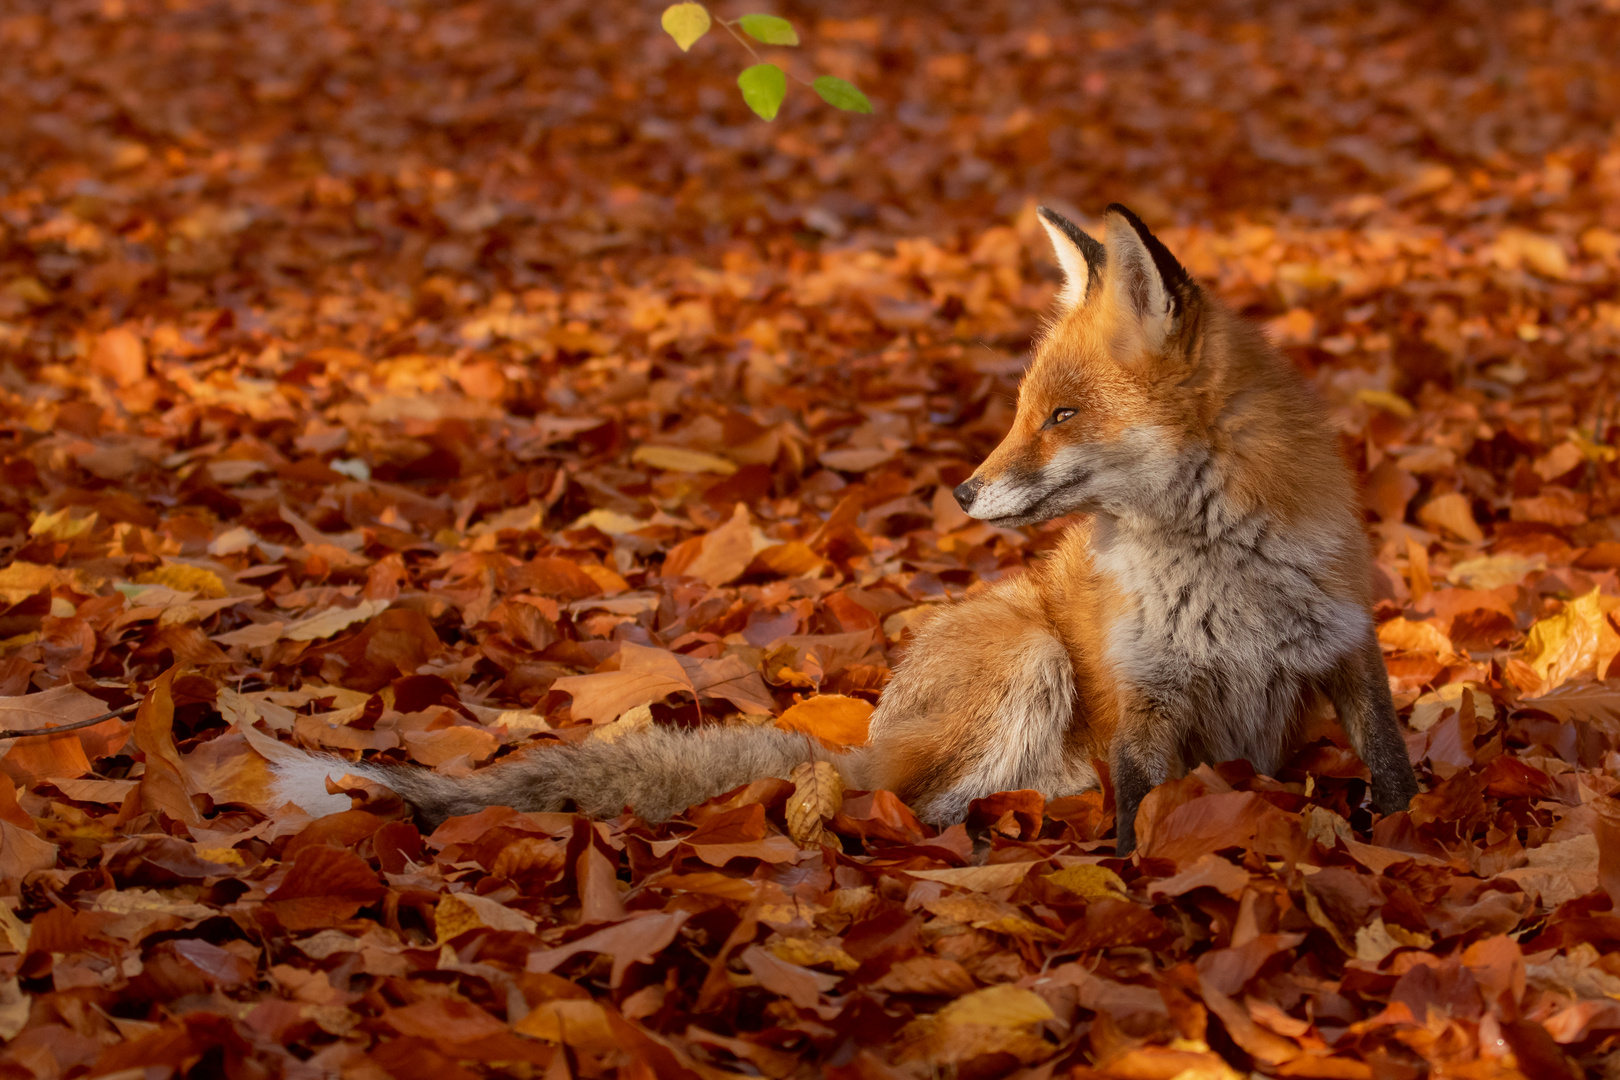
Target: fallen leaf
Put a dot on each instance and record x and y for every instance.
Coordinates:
(332, 621)
(166, 785)
(1579, 640)
(1452, 513)
(838, 721)
(679, 459)
(818, 794)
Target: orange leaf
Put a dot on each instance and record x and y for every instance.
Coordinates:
(324, 886)
(645, 675)
(21, 849)
(724, 553)
(1452, 513)
(836, 720)
(166, 785)
(57, 757)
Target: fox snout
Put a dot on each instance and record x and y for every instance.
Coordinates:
(967, 491)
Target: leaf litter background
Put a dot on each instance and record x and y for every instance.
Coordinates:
(433, 382)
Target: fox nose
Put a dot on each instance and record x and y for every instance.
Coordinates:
(967, 490)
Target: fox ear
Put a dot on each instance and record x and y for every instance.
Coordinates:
(1081, 257)
(1145, 279)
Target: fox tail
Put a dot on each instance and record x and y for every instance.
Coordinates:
(654, 771)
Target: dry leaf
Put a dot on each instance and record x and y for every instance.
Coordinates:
(332, 621)
(679, 459)
(1419, 637)
(56, 756)
(1579, 640)
(818, 793)
(996, 1020)
(836, 720)
(166, 785)
(1452, 513)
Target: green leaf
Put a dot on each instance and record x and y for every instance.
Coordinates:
(686, 23)
(769, 29)
(763, 87)
(840, 94)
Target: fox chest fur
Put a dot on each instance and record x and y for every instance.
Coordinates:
(1225, 619)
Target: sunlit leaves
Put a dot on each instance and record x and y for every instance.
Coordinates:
(763, 86)
(770, 29)
(686, 23)
(841, 94)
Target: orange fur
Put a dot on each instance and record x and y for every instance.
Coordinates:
(1216, 593)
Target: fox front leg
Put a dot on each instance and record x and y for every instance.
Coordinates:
(1360, 693)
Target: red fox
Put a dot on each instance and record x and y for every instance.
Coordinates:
(1216, 591)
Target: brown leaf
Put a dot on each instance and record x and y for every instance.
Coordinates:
(323, 886)
(723, 554)
(57, 756)
(645, 675)
(120, 356)
(636, 940)
(22, 851)
(1452, 513)
(818, 795)
(166, 785)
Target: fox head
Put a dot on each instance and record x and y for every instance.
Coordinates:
(1103, 407)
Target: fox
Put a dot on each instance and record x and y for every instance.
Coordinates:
(1212, 594)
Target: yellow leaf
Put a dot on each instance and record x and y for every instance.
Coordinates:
(1576, 641)
(1427, 710)
(987, 913)
(685, 23)
(680, 459)
(459, 912)
(1388, 402)
(1452, 513)
(60, 526)
(609, 582)
(818, 794)
(793, 558)
(583, 1024)
(21, 580)
(1494, 571)
(1592, 451)
(228, 856)
(183, 578)
(1090, 881)
(1418, 637)
(1544, 255)
(1002, 1006)
(833, 718)
(452, 917)
(609, 521)
(808, 952)
(997, 1020)
(324, 624)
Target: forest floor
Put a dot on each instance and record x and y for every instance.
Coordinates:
(426, 381)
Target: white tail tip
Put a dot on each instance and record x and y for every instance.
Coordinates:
(302, 782)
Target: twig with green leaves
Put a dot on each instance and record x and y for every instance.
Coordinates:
(763, 85)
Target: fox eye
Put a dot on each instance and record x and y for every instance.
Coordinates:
(1058, 416)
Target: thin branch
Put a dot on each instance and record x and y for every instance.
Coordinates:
(732, 27)
(21, 733)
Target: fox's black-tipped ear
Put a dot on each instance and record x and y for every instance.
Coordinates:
(1144, 277)
(1081, 257)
